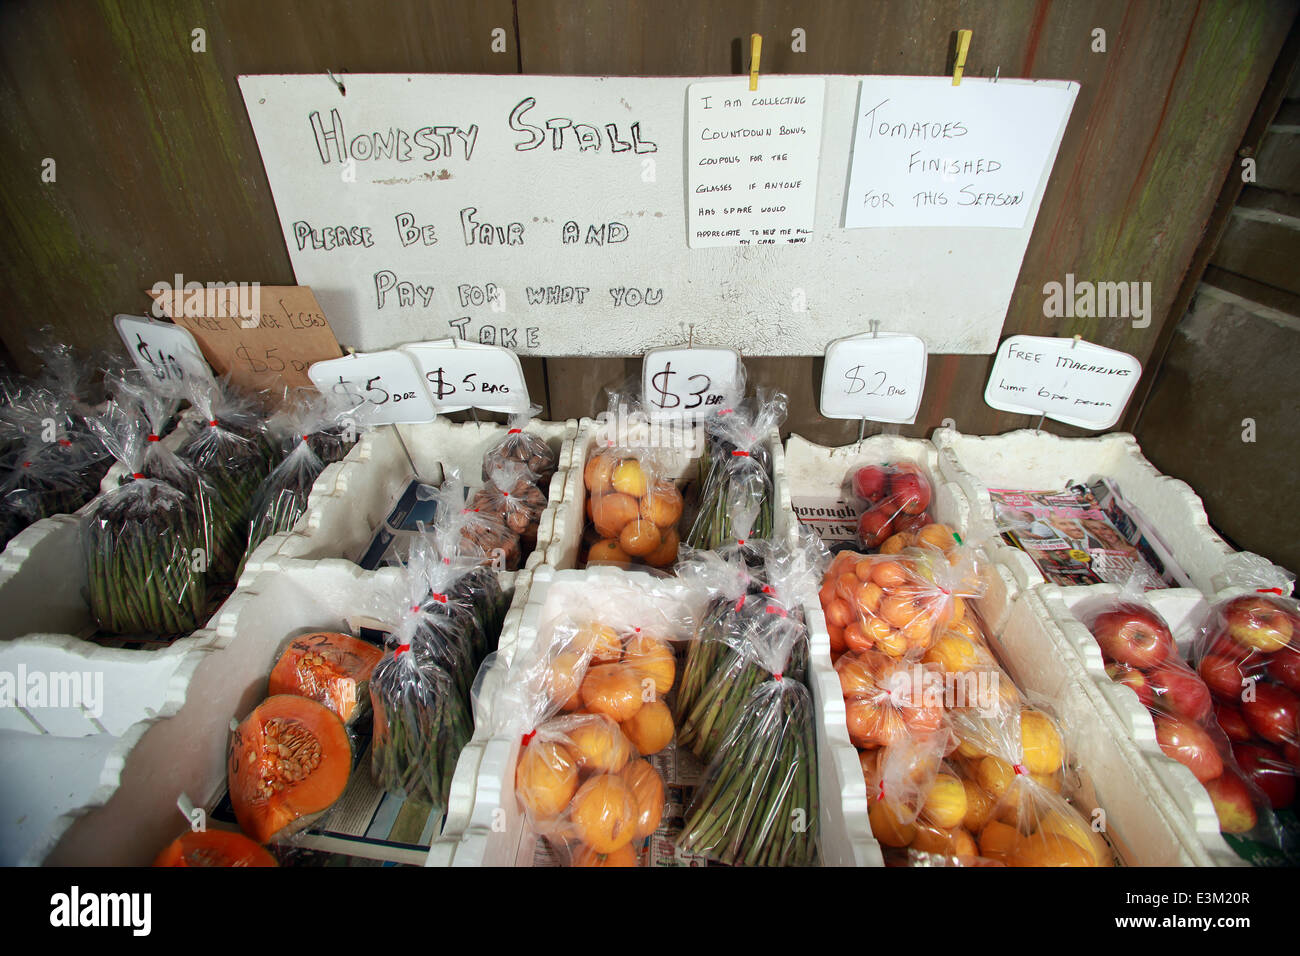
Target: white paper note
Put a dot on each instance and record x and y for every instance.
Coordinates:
(1072, 381)
(927, 153)
(751, 160)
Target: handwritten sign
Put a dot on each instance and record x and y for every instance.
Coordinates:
(751, 161)
(691, 383)
(263, 337)
(167, 354)
(927, 153)
(880, 378)
(383, 387)
(1068, 380)
(545, 214)
(462, 375)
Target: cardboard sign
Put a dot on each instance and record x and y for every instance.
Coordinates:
(751, 161)
(167, 354)
(690, 383)
(927, 153)
(383, 387)
(1068, 380)
(264, 337)
(880, 378)
(461, 375)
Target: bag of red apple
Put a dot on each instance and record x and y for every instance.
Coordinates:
(894, 500)
(1248, 653)
(1014, 766)
(899, 604)
(1140, 652)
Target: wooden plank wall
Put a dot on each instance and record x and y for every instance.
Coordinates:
(158, 171)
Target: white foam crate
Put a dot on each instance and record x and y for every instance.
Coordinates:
(680, 463)
(1029, 460)
(352, 498)
(1183, 610)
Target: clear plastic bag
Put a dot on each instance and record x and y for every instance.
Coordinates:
(894, 500)
(523, 448)
(478, 536)
(737, 472)
(145, 540)
(40, 480)
(511, 494)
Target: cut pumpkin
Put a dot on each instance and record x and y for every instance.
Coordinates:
(214, 848)
(289, 762)
(332, 669)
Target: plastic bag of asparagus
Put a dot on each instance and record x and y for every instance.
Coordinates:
(314, 434)
(420, 690)
(44, 478)
(145, 539)
(736, 471)
(749, 713)
(232, 454)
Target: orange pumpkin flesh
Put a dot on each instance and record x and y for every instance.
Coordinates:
(331, 669)
(289, 762)
(214, 848)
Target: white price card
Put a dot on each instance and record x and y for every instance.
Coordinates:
(166, 353)
(1068, 380)
(461, 375)
(751, 160)
(877, 377)
(382, 387)
(691, 383)
(927, 153)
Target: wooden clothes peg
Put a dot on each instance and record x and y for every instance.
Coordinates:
(963, 47)
(755, 53)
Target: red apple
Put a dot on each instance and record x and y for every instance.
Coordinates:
(1232, 802)
(869, 482)
(1222, 675)
(1132, 635)
(912, 489)
(1284, 667)
(874, 527)
(1233, 724)
(1190, 745)
(1178, 689)
(1255, 621)
(911, 523)
(1292, 754)
(1268, 770)
(1223, 646)
(1273, 713)
(1132, 677)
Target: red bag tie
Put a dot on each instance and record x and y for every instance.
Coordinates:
(304, 437)
(138, 475)
(212, 423)
(154, 438)
(401, 649)
(767, 589)
(514, 431)
(1277, 591)
(27, 464)
(773, 609)
(740, 602)
(777, 675)
(527, 739)
(65, 443)
(1021, 769)
(739, 454)
(740, 541)
(440, 598)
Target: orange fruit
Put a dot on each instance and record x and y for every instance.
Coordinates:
(872, 724)
(607, 552)
(862, 569)
(838, 614)
(856, 679)
(998, 841)
(846, 588)
(937, 536)
(894, 543)
(887, 825)
(954, 653)
(945, 804)
(955, 843)
(648, 788)
(666, 553)
(1052, 781)
(598, 744)
(662, 504)
(836, 634)
(868, 597)
(611, 513)
(826, 594)
(900, 608)
(894, 643)
(639, 538)
(565, 678)
(1041, 742)
(604, 813)
(1069, 824)
(600, 640)
(623, 856)
(629, 478)
(654, 659)
(918, 634)
(995, 775)
(599, 473)
(889, 574)
(651, 728)
(1046, 848)
(855, 638)
(546, 778)
(613, 690)
(979, 806)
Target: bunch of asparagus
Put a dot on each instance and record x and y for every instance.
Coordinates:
(734, 481)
